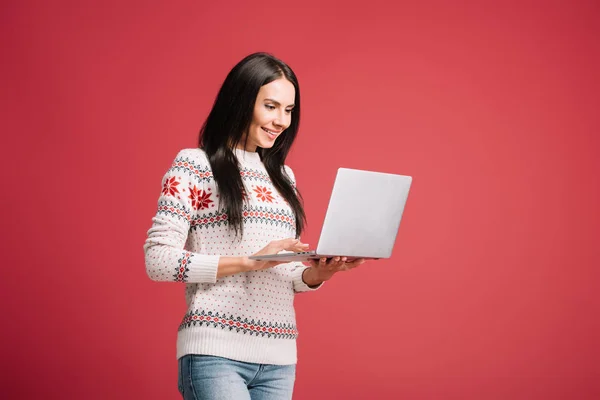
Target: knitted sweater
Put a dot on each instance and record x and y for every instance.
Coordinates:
(247, 316)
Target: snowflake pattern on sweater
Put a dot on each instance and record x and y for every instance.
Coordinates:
(247, 316)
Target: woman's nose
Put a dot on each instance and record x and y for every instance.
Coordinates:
(281, 121)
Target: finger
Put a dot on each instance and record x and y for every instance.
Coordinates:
(335, 263)
(283, 243)
(290, 242)
(313, 263)
(301, 247)
(346, 266)
(355, 263)
(342, 264)
(292, 245)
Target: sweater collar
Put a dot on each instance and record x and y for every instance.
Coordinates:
(243, 155)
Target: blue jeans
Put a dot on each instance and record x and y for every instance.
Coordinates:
(214, 378)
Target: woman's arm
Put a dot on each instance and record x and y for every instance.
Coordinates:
(323, 270)
(166, 258)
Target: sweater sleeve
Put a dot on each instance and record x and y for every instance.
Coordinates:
(299, 285)
(298, 268)
(166, 258)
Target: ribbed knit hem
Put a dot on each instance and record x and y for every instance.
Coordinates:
(236, 346)
(203, 268)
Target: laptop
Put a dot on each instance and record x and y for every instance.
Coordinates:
(362, 219)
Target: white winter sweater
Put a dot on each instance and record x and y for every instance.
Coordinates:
(247, 316)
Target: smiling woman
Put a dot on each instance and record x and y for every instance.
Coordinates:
(253, 112)
(228, 199)
(271, 118)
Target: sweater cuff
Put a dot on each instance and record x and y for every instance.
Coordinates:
(202, 268)
(299, 285)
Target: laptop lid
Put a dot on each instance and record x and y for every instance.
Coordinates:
(364, 213)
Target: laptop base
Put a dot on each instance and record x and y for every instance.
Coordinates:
(302, 257)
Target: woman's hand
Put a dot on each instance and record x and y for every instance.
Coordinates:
(322, 270)
(274, 247)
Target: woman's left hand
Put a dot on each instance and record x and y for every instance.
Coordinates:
(323, 270)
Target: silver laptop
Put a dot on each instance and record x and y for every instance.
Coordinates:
(362, 220)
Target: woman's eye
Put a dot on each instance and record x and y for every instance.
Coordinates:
(289, 111)
(270, 107)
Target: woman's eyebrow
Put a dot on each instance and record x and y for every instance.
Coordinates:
(278, 103)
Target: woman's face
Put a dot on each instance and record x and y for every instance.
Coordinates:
(272, 114)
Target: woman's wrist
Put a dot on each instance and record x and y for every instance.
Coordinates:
(245, 264)
(312, 277)
(232, 265)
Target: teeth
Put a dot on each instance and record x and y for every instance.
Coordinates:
(268, 131)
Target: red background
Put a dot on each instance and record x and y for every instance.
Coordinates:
(493, 108)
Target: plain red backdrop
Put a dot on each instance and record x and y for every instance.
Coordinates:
(492, 107)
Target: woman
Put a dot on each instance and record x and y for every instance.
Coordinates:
(230, 198)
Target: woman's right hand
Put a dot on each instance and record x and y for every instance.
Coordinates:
(274, 247)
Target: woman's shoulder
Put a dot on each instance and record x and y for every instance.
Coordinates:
(290, 173)
(194, 156)
(288, 169)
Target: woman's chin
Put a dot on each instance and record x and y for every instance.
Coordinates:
(266, 144)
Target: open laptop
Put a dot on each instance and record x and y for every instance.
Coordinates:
(362, 219)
